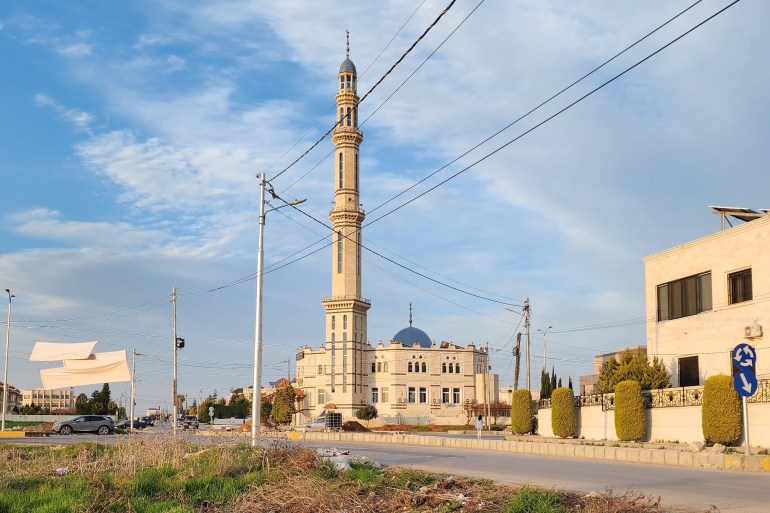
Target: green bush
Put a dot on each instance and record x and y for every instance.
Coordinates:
(630, 423)
(721, 413)
(367, 413)
(521, 412)
(563, 414)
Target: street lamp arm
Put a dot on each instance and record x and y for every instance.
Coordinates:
(292, 204)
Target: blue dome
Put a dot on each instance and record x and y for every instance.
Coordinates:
(347, 66)
(408, 336)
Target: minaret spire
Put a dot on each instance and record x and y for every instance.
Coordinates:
(410, 315)
(347, 43)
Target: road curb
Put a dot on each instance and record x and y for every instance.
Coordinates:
(660, 456)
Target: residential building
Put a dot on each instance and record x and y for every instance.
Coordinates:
(14, 397)
(51, 399)
(410, 377)
(706, 296)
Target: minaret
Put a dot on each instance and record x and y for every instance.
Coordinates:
(346, 308)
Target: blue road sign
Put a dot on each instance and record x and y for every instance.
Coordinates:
(745, 383)
(744, 357)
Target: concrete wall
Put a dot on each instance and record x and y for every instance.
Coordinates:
(44, 418)
(680, 424)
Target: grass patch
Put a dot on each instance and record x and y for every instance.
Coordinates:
(532, 500)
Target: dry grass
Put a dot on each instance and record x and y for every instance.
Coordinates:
(148, 475)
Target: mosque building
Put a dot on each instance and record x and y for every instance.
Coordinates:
(410, 379)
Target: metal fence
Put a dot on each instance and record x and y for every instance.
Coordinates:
(662, 398)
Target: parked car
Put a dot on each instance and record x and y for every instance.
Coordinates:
(150, 421)
(85, 424)
(190, 422)
(138, 424)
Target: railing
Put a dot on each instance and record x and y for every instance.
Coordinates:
(662, 398)
(348, 298)
(360, 210)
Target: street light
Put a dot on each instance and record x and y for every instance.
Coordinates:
(256, 397)
(545, 340)
(7, 346)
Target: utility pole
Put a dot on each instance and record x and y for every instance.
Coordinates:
(526, 327)
(517, 355)
(487, 388)
(133, 391)
(174, 346)
(7, 346)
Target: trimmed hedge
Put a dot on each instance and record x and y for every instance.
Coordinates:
(563, 413)
(721, 412)
(521, 412)
(630, 423)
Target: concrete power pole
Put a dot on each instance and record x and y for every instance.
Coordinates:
(173, 340)
(526, 327)
(517, 355)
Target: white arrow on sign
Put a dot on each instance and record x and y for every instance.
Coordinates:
(749, 352)
(746, 385)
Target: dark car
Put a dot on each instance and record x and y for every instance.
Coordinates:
(190, 422)
(150, 421)
(85, 424)
(138, 424)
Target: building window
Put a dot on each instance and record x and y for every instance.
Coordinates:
(339, 252)
(423, 395)
(385, 398)
(409, 367)
(410, 395)
(342, 82)
(424, 367)
(379, 366)
(739, 286)
(385, 367)
(443, 368)
(344, 322)
(688, 372)
(355, 116)
(334, 324)
(348, 79)
(347, 118)
(358, 259)
(457, 368)
(374, 367)
(451, 368)
(456, 395)
(320, 370)
(342, 116)
(321, 396)
(375, 395)
(445, 395)
(684, 297)
(340, 171)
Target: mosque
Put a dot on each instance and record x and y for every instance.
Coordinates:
(411, 379)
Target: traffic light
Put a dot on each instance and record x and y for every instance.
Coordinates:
(179, 343)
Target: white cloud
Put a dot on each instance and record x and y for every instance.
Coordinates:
(79, 118)
(75, 49)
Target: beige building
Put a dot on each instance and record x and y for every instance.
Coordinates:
(52, 399)
(706, 296)
(410, 378)
(14, 397)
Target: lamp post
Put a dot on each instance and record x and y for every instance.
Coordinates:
(7, 346)
(545, 340)
(256, 397)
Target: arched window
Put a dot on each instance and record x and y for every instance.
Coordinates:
(451, 368)
(355, 169)
(457, 368)
(344, 322)
(355, 116)
(385, 367)
(342, 82)
(348, 80)
(358, 262)
(424, 367)
(347, 118)
(340, 166)
(416, 366)
(334, 324)
(409, 367)
(443, 368)
(373, 366)
(379, 366)
(342, 116)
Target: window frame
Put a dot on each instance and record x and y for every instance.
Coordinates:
(684, 297)
(739, 287)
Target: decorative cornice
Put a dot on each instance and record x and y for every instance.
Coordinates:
(347, 134)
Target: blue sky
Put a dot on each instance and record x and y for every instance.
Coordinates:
(131, 135)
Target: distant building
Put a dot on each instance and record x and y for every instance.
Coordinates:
(14, 397)
(410, 378)
(51, 399)
(706, 296)
(590, 384)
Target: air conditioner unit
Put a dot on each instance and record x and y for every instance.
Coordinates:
(753, 331)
